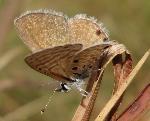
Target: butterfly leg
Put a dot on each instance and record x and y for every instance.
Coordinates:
(82, 91)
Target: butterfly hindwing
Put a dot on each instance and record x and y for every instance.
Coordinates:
(53, 61)
(83, 62)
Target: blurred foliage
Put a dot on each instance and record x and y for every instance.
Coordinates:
(127, 21)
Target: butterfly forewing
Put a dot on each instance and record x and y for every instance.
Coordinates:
(53, 61)
(42, 28)
(86, 31)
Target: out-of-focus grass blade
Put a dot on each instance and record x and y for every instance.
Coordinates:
(8, 57)
(26, 111)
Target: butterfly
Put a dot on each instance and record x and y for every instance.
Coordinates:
(66, 49)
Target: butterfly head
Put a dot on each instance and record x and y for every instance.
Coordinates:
(63, 88)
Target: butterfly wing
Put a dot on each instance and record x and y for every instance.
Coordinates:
(48, 29)
(53, 61)
(42, 29)
(83, 62)
(87, 31)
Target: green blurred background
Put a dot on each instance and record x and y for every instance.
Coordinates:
(23, 91)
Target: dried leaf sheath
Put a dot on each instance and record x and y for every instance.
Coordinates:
(122, 68)
(140, 106)
(117, 65)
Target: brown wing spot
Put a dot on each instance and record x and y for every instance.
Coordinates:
(90, 66)
(83, 66)
(74, 68)
(98, 32)
(76, 61)
(105, 39)
(39, 69)
(106, 47)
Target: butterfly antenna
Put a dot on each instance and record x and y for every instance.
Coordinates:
(49, 100)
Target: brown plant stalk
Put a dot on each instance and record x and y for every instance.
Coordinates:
(122, 68)
(7, 14)
(85, 108)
